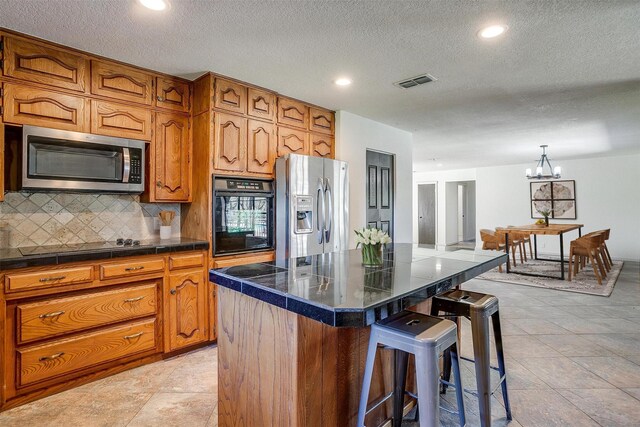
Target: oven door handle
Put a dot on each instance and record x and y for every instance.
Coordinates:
(126, 160)
(320, 197)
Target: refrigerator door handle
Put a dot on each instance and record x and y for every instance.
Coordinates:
(328, 192)
(319, 197)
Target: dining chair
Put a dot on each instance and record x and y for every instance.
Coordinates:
(525, 238)
(514, 243)
(583, 248)
(603, 235)
(490, 241)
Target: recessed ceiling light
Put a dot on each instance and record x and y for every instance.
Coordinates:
(155, 4)
(492, 31)
(343, 81)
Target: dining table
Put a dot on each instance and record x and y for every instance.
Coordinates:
(545, 230)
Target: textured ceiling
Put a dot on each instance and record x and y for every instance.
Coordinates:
(567, 73)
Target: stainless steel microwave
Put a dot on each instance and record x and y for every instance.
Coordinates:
(72, 161)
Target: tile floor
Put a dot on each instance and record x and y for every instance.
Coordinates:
(572, 360)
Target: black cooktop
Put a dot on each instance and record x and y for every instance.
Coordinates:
(78, 247)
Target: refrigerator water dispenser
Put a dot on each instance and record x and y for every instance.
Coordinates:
(304, 215)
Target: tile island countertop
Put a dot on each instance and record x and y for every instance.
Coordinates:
(335, 289)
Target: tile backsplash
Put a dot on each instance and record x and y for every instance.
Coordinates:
(35, 219)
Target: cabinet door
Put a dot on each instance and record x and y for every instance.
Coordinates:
(321, 121)
(230, 96)
(39, 63)
(120, 82)
(262, 104)
(30, 106)
(292, 113)
(1, 158)
(261, 147)
(292, 141)
(172, 158)
(230, 143)
(187, 296)
(322, 146)
(124, 121)
(172, 94)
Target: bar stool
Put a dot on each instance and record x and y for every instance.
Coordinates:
(426, 337)
(478, 308)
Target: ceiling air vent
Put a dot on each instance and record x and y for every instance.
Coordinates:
(415, 81)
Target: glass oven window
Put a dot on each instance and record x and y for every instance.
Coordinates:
(242, 223)
(57, 159)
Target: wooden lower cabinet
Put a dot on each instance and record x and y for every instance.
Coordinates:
(122, 314)
(187, 299)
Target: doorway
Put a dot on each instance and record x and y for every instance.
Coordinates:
(427, 214)
(460, 199)
(380, 191)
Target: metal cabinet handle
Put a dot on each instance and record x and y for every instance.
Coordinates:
(133, 299)
(140, 267)
(160, 98)
(52, 357)
(53, 314)
(52, 279)
(172, 291)
(129, 337)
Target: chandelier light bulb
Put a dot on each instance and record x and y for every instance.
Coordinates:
(528, 172)
(539, 170)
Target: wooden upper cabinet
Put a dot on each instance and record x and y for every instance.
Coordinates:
(292, 141)
(322, 146)
(188, 301)
(230, 96)
(39, 63)
(125, 121)
(261, 147)
(293, 113)
(172, 94)
(321, 121)
(230, 143)
(262, 104)
(172, 166)
(39, 107)
(121, 82)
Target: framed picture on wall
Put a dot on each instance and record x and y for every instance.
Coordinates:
(557, 196)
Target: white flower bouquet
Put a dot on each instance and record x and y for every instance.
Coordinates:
(371, 240)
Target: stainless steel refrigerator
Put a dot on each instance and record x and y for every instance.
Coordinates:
(312, 206)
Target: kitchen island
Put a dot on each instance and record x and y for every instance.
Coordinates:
(293, 334)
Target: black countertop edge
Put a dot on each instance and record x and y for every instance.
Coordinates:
(354, 316)
(17, 260)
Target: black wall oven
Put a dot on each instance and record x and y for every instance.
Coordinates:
(243, 212)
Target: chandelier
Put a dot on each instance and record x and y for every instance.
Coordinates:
(544, 170)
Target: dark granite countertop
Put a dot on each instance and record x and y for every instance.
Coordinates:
(335, 288)
(60, 254)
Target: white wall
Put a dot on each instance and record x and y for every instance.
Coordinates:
(354, 135)
(607, 196)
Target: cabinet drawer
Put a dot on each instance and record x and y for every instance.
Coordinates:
(48, 278)
(172, 94)
(321, 121)
(131, 268)
(124, 121)
(39, 63)
(293, 113)
(186, 261)
(54, 317)
(31, 106)
(120, 82)
(240, 260)
(41, 362)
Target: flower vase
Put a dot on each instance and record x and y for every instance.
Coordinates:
(546, 221)
(372, 255)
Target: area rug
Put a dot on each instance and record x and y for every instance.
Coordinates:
(584, 282)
